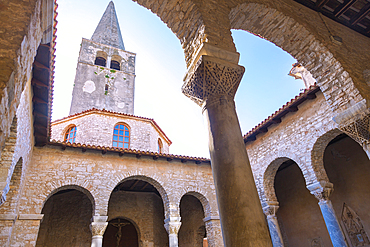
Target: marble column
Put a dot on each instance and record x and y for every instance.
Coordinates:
(172, 225)
(213, 229)
(273, 224)
(98, 226)
(212, 83)
(322, 190)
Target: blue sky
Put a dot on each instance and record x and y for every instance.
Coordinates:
(160, 68)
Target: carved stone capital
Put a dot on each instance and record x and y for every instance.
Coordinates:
(98, 228)
(98, 225)
(212, 76)
(172, 225)
(270, 210)
(321, 190)
(355, 122)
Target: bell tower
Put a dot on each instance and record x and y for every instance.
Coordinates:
(105, 74)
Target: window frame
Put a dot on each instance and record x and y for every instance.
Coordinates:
(126, 129)
(68, 132)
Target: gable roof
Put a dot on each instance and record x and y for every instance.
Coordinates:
(118, 114)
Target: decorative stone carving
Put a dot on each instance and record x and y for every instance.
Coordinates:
(270, 210)
(321, 190)
(98, 228)
(212, 76)
(172, 227)
(355, 122)
(353, 227)
(98, 225)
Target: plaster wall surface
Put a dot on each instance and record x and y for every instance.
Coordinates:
(96, 128)
(100, 86)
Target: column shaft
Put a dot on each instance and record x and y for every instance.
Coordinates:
(97, 241)
(276, 237)
(332, 224)
(242, 219)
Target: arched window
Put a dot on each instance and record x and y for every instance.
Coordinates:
(70, 135)
(160, 145)
(100, 61)
(115, 65)
(121, 136)
(101, 58)
(115, 62)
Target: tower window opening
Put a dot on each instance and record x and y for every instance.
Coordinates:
(121, 136)
(115, 65)
(101, 61)
(70, 135)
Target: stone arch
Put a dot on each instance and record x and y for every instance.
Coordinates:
(203, 200)
(186, 20)
(291, 36)
(268, 193)
(153, 181)
(75, 187)
(6, 160)
(317, 153)
(101, 58)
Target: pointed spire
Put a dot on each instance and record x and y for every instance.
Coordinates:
(108, 32)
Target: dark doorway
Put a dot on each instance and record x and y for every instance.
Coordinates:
(120, 233)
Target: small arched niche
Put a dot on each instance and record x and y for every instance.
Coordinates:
(121, 232)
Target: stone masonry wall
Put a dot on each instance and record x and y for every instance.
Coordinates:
(52, 168)
(294, 138)
(91, 80)
(21, 64)
(97, 129)
(293, 37)
(18, 164)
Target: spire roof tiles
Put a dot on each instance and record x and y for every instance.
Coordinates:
(108, 32)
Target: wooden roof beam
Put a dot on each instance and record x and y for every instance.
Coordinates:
(134, 184)
(321, 3)
(341, 9)
(363, 12)
(36, 82)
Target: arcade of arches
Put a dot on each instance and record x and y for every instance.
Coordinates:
(309, 161)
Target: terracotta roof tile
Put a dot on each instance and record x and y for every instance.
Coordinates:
(169, 157)
(272, 119)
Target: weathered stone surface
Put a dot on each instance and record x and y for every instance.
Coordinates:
(101, 87)
(96, 128)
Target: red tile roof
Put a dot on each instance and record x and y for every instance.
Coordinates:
(123, 151)
(275, 118)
